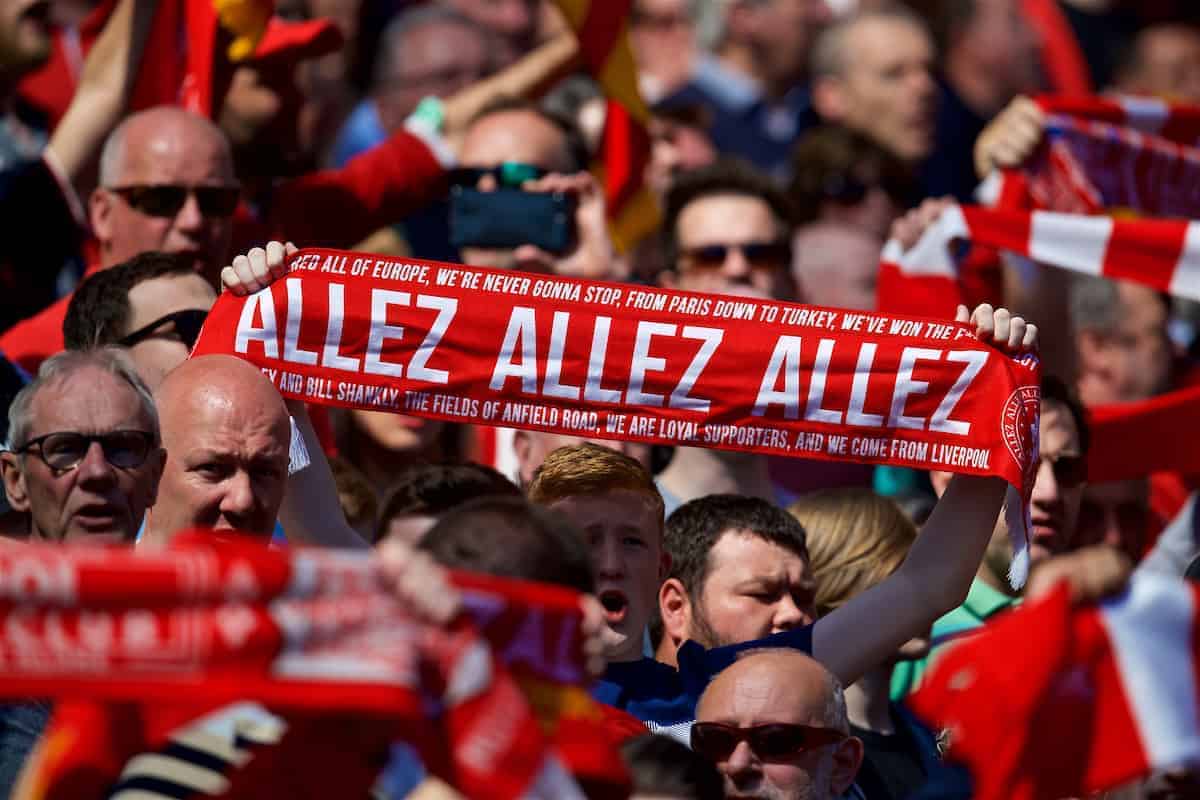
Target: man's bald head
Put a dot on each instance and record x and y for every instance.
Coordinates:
(227, 434)
(176, 153)
(782, 687)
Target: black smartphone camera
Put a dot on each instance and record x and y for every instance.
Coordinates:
(509, 217)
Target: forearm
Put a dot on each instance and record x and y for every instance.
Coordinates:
(531, 76)
(104, 86)
(311, 513)
(943, 561)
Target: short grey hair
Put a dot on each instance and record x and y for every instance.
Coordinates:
(828, 58)
(56, 369)
(1095, 304)
(391, 40)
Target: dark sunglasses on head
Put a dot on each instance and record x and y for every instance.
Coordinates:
(1070, 472)
(164, 200)
(187, 324)
(774, 741)
(509, 174)
(65, 450)
(768, 255)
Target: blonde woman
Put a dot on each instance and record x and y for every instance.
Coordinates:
(856, 539)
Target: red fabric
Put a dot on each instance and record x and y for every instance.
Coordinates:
(310, 633)
(1126, 437)
(341, 207)
(1066, 68)
(51, 87)
(704, 370)
(1051, 702)
(334, 207)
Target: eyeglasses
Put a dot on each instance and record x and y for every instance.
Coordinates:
(165, 200)
(1070, 472)
(187, 324)
(759, 255)
(773, 741)
(510, 174)
(65, 450)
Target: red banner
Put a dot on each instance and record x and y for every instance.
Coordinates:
(191, 629)
(542, 352)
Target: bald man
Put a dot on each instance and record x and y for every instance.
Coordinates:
(805, 754)
(167, 184)
(227, 435)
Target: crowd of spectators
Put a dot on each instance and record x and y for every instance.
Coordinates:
(765, 617)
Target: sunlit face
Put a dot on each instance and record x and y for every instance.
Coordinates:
(732, 221)
(227, 464)
(95, 501)
(887, 87)
(759, 690)
(177, 152)
(753, 588)
(623, 530)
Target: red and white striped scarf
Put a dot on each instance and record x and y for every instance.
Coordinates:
(1051, 702)
(183, 633)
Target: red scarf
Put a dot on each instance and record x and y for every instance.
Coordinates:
(1053, 702)
(166, 638)
(584, 358)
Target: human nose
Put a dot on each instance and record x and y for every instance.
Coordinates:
(190, 217)
(239, 494)
(609, 563)
(736, 265)
(95, 466)
(742, 760)
(1046, 490)
(788, 615)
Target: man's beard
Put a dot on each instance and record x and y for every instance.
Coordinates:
(700, 630)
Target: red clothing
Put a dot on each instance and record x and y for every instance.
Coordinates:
(329, 208)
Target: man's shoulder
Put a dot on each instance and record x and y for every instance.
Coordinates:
(647, 689)
(34, 339)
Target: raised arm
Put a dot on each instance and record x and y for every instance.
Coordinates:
(937, 573)
(104, 88)
(311, 513)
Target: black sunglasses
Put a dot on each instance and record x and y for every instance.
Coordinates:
(165, 200)
(1070, 472)
(760, 255)
(509, 174)
(65, 450)
(187, 324)
(773, 741)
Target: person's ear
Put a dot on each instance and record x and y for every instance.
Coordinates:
(14, 482)
(829, 98)
(100, 208)
(675, 608)
(847, 758)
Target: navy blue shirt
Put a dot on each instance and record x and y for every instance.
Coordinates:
(665, 698)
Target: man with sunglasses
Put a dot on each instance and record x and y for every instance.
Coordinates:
(775, 725)
(1055, 504)
(84, 456)
(153, 304)
(728, 231)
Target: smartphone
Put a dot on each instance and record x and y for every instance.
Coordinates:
(510, 218)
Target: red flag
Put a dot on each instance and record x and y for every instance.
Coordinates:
(1051, 702)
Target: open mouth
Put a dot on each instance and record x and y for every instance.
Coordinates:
(616, 605)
